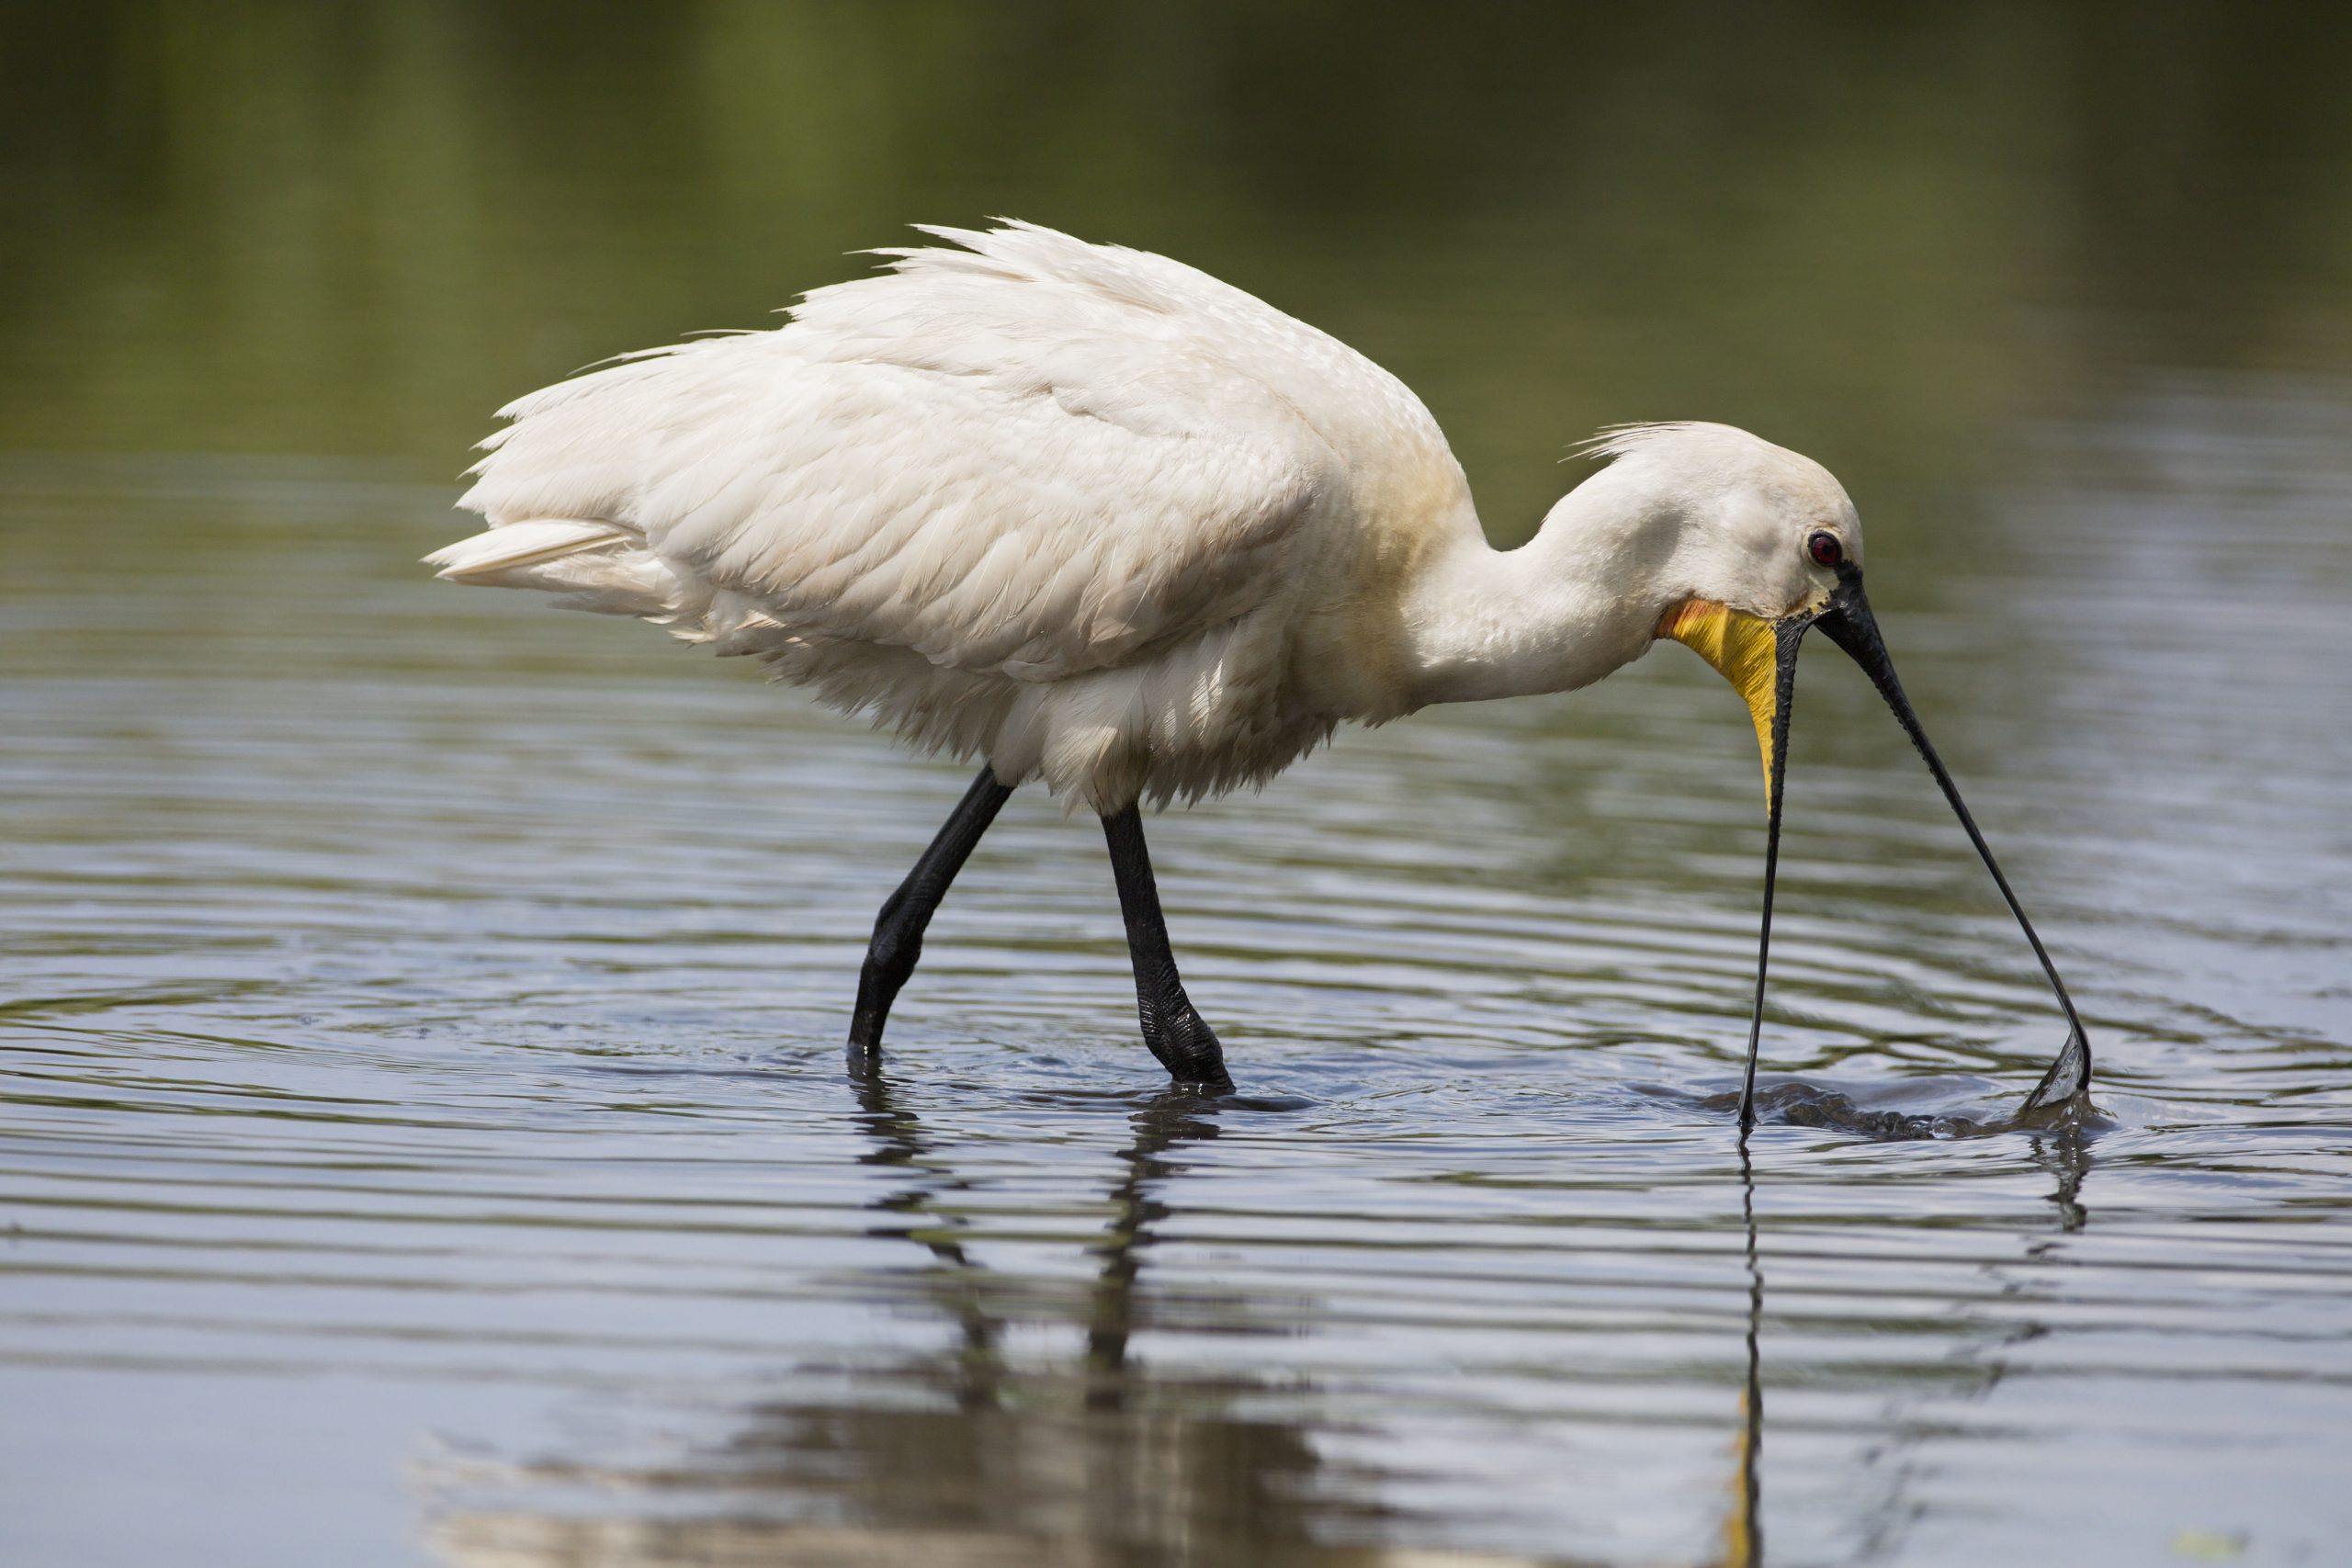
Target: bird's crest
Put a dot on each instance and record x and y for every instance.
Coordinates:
(1623, 440)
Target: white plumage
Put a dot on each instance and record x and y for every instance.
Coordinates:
(1082, 511)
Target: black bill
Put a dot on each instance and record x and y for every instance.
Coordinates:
(1848, 622)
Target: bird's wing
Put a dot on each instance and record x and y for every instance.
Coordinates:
(1033, 455)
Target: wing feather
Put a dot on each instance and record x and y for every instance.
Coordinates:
(1032, 457)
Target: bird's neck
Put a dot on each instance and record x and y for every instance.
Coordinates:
(1579, 600)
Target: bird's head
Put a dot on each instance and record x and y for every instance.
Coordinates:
(1757, 542)
(1763, 547)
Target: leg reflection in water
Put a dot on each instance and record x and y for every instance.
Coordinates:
(1168, 1120)
(913, 1213)
(998, 1446)
(1136, 1465)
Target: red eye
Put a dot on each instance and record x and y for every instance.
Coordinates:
(1825, 549)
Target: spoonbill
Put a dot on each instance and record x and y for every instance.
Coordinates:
(1095, 518)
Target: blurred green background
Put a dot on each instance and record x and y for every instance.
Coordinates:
(1881, 235)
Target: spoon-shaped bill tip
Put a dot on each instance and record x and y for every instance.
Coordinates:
(2069, 1077)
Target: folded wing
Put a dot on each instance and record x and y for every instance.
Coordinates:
(1032, 458)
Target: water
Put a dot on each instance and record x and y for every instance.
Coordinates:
(426, 1136)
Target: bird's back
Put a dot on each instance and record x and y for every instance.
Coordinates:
(1061, 504)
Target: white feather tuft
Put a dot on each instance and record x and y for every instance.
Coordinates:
(1623, 440)
(518, 544)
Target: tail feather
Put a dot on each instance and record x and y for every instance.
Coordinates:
(594, 566)
(520, 546)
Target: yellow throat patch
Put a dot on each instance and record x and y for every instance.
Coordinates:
(1741, 647)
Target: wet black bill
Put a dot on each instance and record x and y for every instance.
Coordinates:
(1848, 622)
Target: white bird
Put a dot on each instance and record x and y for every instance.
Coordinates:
(1095, 518)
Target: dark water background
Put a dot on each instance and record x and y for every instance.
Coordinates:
(422, 1129)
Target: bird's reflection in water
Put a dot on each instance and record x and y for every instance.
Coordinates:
(912, 1211)
(2063, 1154)
(1145, 1468)
(966, 1455)
(1743, 1530)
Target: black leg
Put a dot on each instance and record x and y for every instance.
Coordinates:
(1175, 1032)
(897, 929)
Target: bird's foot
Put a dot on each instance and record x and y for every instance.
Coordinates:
(864, 1051)
(864, 1059)
(1187, 1048)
